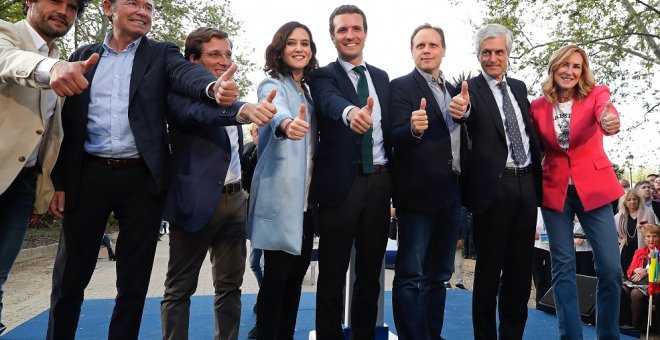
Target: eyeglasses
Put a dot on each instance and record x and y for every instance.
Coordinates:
(133, 4)
(218, 55)
(487, 53)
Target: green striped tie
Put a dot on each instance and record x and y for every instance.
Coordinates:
(367, 140)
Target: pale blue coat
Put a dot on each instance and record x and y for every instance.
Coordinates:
(280, 183)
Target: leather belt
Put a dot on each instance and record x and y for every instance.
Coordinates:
(115, 163)
(518, 172)
(378, 168)
(232, 188)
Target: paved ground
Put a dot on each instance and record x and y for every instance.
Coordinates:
(28, 289)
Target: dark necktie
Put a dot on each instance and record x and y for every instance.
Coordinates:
(448, 120)
(511, 124)
(367, 140)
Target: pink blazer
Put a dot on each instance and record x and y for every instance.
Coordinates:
(585, 161)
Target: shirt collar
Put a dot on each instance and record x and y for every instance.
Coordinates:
(41, 44)
(131, 48)
(348, 66)
(492, 82)
(429, 78)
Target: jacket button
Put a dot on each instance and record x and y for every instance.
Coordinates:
(40, 132)
(228, 158)
(449, 162)
(21, 159)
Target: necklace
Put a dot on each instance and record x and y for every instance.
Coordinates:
(634, 233)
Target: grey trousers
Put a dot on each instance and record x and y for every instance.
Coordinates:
(224, 237)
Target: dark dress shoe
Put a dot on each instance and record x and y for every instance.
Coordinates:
(252, 334)
(460, 286)
(3, 328)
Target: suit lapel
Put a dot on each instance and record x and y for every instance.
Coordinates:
(140, 63)
(489, 100)
(345, 83)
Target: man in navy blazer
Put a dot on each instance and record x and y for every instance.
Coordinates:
(206, 205)
(505, 213)
(113, 159)
(430, 151)
(353, 201)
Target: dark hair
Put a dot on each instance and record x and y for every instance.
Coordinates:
(196, 38)
(275, 65)
(346, 9)
(82, 4)
(428, 26)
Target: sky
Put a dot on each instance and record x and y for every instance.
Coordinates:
(390, 24)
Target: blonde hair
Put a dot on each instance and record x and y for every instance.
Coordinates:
(559, 58)
(622, 202)
(651, 228)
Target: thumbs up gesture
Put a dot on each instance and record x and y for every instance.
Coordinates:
(360, 119)
(296, 129)
(459, 103)
(419, 121)
(264, 111)
(225, 89)
(67, 78)
(608, 120)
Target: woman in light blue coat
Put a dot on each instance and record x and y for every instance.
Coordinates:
(279, 218)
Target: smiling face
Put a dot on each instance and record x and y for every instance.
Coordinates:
(297, 51)
(131, 19)
(349, 37)
(215, 57)
(568, 74)
(52, 18)
(494, 57)
(427, 51)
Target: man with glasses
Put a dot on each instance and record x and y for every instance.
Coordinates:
(505, 154)
(30, 120)
(113, 159)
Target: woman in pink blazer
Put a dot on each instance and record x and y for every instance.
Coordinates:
(571, 119)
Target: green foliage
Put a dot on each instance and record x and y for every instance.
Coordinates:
(621, 37)
(11, 10)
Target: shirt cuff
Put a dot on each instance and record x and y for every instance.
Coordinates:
(42, 72)
(344, 115)
(207, 90)
(467, 112)
(412, 132)
(238, 116)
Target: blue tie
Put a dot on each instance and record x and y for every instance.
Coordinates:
(511, 124)
(367, 140)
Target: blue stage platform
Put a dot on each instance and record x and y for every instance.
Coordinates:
(95, 318)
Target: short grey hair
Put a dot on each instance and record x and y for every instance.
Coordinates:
(493, 31)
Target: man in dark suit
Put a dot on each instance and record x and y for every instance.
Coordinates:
(206, 204)
(429, 148)
(350, 182)
(505, 154)
(113, 159)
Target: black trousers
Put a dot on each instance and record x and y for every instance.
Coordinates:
(504, 240)
(362, 219)
(104, 190)
(279, 294)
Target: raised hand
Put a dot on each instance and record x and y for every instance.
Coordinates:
(459, 103)
(225, 89)
(419, 120)
(360, 119)
(297, 128)
(264, 111)
(67, 78)
(608, 120)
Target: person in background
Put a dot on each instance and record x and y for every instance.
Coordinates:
(645, 192)
(571, 119)
(280, 216)
(541, 271)
(584, 258)
(30, 119)
(628, 221)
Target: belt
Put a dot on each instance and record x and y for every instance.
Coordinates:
(115, 163)
(518, 171)
(232, 188)
(378, 168)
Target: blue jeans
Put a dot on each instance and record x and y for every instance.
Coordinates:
(15, 209)
(255, 264)
(599, 228)
(424, 261)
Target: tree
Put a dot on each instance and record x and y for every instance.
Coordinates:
(172, 21)
(622, 38)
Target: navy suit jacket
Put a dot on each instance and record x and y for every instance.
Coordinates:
(157, 68)
(421, 167)
(202, 153)
(339, 149)
(489, 149)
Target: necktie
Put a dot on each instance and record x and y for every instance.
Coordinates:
(511, 124)
(367, 140)
(441, 86)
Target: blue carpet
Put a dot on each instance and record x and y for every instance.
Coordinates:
(95, 318)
